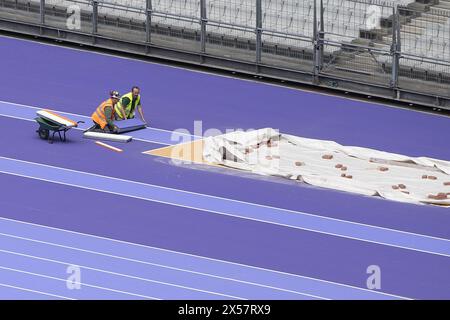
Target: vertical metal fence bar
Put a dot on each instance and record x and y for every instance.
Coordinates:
(94, 16)
(318, 41)
(203, 22)
(396, 48)
(315, 75)
(321, 38)
(148, 23)
(42, 11)
(399, 41)
(258, 30)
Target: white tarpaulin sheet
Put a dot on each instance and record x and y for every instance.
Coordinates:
(328, 164)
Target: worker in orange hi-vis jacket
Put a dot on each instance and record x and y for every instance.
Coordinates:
(103, 116)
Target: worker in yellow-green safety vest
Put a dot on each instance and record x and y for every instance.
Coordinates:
(126, 107)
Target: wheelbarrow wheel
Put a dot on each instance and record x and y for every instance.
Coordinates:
(44, 133)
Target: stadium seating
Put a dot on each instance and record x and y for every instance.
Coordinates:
(286, 21)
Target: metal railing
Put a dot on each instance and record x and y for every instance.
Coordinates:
(398, 45)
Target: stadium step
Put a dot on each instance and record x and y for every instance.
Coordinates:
(426, 23)
(415, 29)
(419, 7)
(442, 7)
(435, 17)
(361, 63)
(443, 4)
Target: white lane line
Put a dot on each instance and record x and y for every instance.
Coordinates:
(84, 284)
(34, 291)
(215, 197)
(20, 118)
(148, 263)
(80, 129)
(89, 118)
(239, 201)
(235, 215)
(194, 256)
(120, 274)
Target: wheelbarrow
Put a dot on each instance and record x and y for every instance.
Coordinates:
(51, 123)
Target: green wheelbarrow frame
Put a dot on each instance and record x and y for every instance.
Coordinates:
(48, 129)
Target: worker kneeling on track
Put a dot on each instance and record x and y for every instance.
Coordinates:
(126, 107)
(104, 115)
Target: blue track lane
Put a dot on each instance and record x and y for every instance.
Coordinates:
(225, 206)
(15, 293)
(58, 286)
(137, 269)
(153, 135)
(283, 239)
(98, 278)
